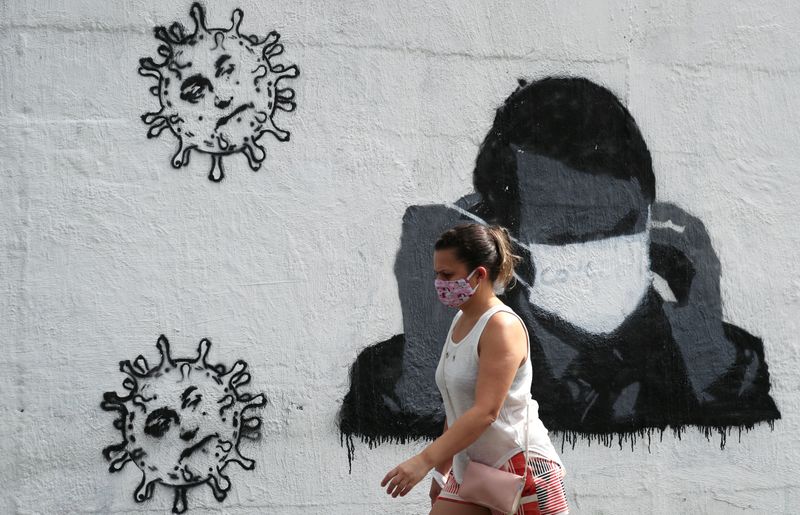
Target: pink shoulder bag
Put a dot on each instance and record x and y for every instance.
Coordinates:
(490, 487)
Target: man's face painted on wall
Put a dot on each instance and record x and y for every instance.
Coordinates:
(588, 242)
(559, 204)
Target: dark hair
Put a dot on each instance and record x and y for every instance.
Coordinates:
(481, 245)
(572, 120)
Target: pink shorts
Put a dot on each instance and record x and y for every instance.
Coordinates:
(544, 487)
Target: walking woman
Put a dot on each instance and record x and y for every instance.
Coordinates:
(484, 376)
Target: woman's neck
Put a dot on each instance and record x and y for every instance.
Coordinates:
(483, 299)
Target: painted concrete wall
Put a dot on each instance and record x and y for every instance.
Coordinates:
(106, 246)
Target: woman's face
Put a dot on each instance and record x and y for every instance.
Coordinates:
(447, 267)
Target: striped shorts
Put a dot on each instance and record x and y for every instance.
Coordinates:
(544, 487)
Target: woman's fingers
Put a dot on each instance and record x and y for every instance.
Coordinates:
(398, 482)
(406, 488)
(389, 476)
(399, 487)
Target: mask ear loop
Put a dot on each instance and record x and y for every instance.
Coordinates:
(470, 275)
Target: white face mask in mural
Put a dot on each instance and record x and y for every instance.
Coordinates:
(594, 285)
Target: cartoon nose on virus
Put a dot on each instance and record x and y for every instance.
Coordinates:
(218, 90)
(181, 422)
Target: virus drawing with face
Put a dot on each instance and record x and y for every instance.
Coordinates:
(181, 422)
(218, 90)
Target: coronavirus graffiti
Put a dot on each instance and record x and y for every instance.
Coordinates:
(181, 422)
(218, 90)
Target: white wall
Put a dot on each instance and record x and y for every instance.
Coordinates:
(106, 246)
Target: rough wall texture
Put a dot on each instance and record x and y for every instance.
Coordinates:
(106, 246)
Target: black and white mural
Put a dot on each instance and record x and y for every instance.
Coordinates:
(620, 292)
(218, 90)
(181, 422)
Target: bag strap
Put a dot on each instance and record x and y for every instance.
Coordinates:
(527, 357)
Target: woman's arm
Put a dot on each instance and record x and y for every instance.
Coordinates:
(444, 467)
(502, 349)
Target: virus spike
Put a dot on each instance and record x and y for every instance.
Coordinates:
(202, 351)
(256, 401)
(164, 51)
(186, 371)
(151, 118)
(284, 72)
(236, 21)
(119, 462)
(283, 99)
(157, 128)
(240, 380)
(219, 40)
(126, 367)
(178, 32)
(238, 367)
(114, 449)
(285, 106)
(220, 484)
(179, 504)
(228, 401)
(160, 32)
(285, 94)
(198, 14)
(163, 348)
(217, 172)
(259, 73)
(113, 402)
(147, 72)
(147, 63)
(269, 126)
(254, 436)
(141, 363)
(181, 157)
(251, 423)
(145, 489)
(254, 153)
(272, 51)
(245, 463)
(269, 42)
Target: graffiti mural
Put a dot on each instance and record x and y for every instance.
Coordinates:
(218, 90)
(620, 293)
(181, 422)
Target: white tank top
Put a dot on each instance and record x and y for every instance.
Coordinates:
(456, 377)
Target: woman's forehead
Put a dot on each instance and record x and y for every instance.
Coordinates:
(446, 258)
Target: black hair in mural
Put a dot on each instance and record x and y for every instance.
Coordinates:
(644, 347)
(181, 422)
(218, 90)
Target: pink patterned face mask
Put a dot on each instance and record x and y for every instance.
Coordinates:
(454, 293)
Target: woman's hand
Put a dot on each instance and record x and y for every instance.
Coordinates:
(403, 477)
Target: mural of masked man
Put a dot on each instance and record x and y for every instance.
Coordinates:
(620, 293)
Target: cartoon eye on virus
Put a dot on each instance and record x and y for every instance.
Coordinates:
(181, 422)
(218, 90)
